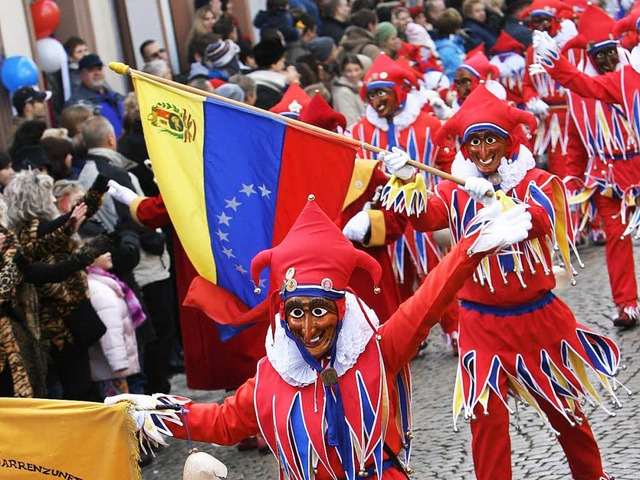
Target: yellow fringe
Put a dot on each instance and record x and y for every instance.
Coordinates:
(132, 440)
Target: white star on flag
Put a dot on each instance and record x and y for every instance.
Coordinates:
(232, 204)
(222, 235)
(224, 219)
(241, 269)
(263, 191)
(247, 189)
(262, 283)
(228, 252)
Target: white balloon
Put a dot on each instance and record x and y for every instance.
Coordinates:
(51, 55)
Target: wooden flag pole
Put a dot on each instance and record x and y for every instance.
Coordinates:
(123, 69)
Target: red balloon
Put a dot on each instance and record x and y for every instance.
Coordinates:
(46, 16)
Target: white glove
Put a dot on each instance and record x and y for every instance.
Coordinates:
(502, 229)
(545, 48)
(151, 414)
(441, 109)
(142, 402)
(356, 228)
(122, 194)
(537, 69)
(476, 187)
(538, 107)
(396, 163)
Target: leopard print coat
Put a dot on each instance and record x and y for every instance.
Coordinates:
(57, 300)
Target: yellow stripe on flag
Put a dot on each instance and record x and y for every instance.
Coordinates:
(173, 124)
(44, 439)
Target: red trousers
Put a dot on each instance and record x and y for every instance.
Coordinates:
(491, 444)
(619, 253)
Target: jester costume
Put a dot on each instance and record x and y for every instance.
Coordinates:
(516, 336)
(552, 133)
(355, 422)
(605, 110)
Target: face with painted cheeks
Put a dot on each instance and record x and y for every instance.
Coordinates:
(486, 149)
(383, 100)
(313, 321)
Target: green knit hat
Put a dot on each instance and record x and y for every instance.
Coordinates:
(383, 31)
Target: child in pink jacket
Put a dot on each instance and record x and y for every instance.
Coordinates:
(115, 356)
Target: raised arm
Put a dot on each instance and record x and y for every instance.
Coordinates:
(488, 232)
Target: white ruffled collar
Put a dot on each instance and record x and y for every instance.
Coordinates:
(511, 172)
(412, 108)
(354, 335)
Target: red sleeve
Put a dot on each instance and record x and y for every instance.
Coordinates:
(224, 424)
(436, 217)
(528, 90)
(577, 156)
(150, 212)
(410, 324)
(602, 87)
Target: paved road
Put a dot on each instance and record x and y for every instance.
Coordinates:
(439, 453)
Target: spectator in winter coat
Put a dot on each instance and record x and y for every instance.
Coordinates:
(359, 37)
(346, 89)
(336, 14)
(115, 356)
(95, 92)
(277, 16)
(475, 23)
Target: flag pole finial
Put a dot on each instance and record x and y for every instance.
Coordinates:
(119, 67)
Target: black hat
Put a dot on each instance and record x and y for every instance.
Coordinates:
(24, 95)
(268, 52)
(90, 60)
(32, 156)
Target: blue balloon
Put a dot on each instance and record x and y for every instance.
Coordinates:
(18, 71)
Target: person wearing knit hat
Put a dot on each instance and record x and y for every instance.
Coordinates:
(330, 369)
(221, 58)
(386, 38)
(323, 49)
(606, 167)
(508, 309)
(540, 93)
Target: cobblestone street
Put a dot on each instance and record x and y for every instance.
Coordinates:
(438, 452)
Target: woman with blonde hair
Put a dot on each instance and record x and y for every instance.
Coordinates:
(205, 19)
(47, 237)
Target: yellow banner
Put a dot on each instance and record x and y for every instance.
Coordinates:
(53, 439)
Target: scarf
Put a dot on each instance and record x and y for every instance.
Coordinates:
(133, 304)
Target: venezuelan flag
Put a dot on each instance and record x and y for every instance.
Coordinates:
(235, 179)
